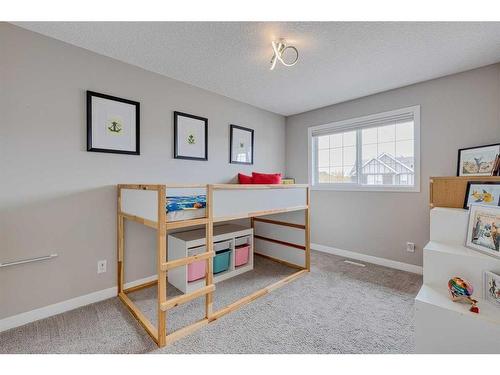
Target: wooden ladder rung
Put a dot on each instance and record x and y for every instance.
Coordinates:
(176, 301)
(282, 223)
(187, 260)
(186, 223)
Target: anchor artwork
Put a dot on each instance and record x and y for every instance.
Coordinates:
(112, 124)
(115, 127)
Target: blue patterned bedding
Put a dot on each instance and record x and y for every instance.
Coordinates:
(190, 202)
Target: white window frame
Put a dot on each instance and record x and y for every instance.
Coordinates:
(350, 124)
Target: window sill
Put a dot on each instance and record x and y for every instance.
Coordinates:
(365, 188)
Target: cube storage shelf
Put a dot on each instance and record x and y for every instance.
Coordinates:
(230, 237)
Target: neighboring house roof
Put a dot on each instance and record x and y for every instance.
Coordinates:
(398, 161)
(391, 170)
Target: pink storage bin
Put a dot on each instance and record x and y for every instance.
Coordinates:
(196, 270)
(241, 255)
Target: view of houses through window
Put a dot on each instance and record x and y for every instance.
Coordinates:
(337, 157)
(386, 156)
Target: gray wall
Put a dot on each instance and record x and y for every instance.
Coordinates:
(456, 111)
(56, 197)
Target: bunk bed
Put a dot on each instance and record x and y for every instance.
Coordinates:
(146, 204)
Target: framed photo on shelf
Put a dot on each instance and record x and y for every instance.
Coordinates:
(190, 137)
(477, 161)
(241, 142)
(113, 124)
(491, 288)
(485, 193)
(483, 230)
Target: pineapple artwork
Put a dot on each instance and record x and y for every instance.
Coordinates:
(241, 152)
(114, 126)
(190, 137)
(241, 148)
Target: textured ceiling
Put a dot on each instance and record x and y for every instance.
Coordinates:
(338, 60)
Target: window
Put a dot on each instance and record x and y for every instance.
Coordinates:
(337, 157)
(376, 152)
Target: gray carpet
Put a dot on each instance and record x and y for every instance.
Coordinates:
(337, 308)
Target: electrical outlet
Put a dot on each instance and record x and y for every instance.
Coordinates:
(101, 266)
(410, 247)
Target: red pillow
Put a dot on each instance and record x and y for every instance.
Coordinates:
(244, 179)
(265, 178)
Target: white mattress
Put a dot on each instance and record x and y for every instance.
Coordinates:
(185, 214)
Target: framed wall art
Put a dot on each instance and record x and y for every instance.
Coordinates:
(477, 161)
(483, 231)
(190, 137)
(241, 141)
(482, 192)
(491, 288)
(113, 124)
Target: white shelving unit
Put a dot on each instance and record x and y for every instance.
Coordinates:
(183, 244)
(441, 325)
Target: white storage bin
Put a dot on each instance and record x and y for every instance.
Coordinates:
(197, 250)
(222, 245)
(189, 278)
(245, 240)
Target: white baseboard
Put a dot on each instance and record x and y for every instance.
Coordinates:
(73, 303)
(70, 304)
(369, 258)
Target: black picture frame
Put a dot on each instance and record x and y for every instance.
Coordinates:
(471, 148)
(178, 114)
(251, 131)
(470, 183)
(137, 105)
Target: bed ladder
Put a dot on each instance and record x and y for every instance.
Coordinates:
(166, 304)
(159, 333)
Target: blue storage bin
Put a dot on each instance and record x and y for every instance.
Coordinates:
(221, 261)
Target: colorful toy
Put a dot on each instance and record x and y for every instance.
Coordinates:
(461, 291)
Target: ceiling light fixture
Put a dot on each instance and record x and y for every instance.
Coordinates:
(279, 49)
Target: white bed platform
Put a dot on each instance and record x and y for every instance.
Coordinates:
(229, 202)
(146, 204)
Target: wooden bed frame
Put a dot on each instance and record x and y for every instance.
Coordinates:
(300, 202)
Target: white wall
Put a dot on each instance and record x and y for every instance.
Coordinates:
(456, 111)
(57, 197)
